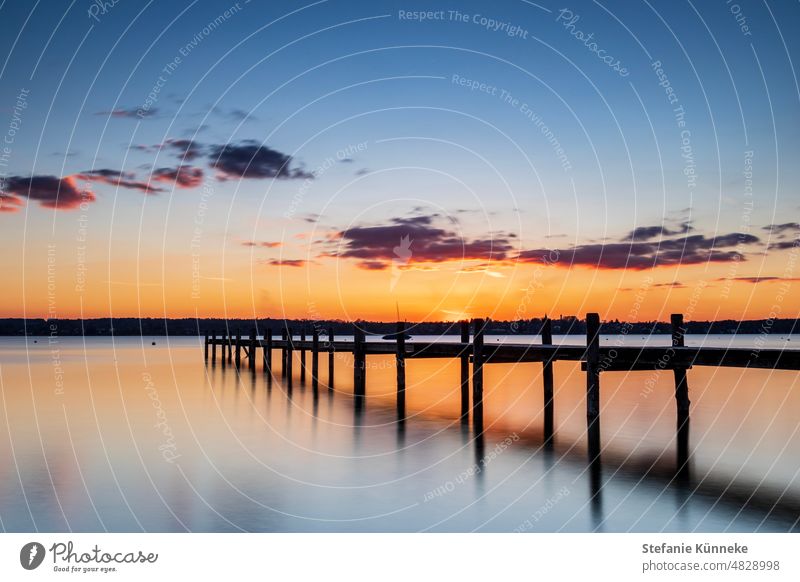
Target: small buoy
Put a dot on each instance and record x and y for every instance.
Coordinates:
(36, 341)
(154, 343)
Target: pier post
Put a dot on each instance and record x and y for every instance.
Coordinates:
(547, 380)
(268, 352)
(315, 358)
(213, 348)
(401, 370)
(302, 354)
(251, 357)
(681, 400)
(359, 363)
(205, 345)
(229, 345)
(283, 351)
(681, 385)
(331, 358)
(592, 366)
(238, 349)
(477, 375)
(223, 346)
(289, 354)
(464, 372)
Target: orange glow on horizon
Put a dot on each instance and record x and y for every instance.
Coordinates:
(338, 289)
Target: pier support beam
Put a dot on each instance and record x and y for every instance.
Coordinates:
(289, 355)
(477, 375)
(400, 358)
(213, 348)
(205, 346)
(359, 365)
(464, 372)
(251, 356)
(315, 359)
(547, 381)
(592, 366)
(238, 349)
(224, 348)
(331, 358)
(303, 354)
(229, 345)
(681, 385)
(681, 400)
(284, 349)
(268, 353)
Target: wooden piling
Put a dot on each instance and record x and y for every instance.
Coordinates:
(592, 366)
(289, 354)
(547, 380)
(477, 375)
(268, 352)
(223, 349)
(205, 347)
(359, 363)
(464, 372)
(400, 358)
(238, 349)
(331, 358)
(251, 356)
(302, 354)
(593, 402)
(315, 358)
(284, 349)
(213, 348)
(681, 385)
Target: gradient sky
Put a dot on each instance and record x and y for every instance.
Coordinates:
(340, 159)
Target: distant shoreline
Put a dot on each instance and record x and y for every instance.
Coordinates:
(198, 327)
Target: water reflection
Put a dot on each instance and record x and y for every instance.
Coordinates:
(256, 458)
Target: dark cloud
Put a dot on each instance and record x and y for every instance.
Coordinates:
(416, 239)
(755, 280)
(285, 262)
(688, 250)
(184, 148)
(670, 285)
(182, 176)
(48, 191)
(644, 233)
(248, 159)
(118, 178)
(143, 148)
(783, 245)
(310, 218)
(263, 244)
(129, 113)
(234, 114)
(240, 115)
(372, 265)
(782, 229)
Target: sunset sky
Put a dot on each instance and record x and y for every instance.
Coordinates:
(340, 160)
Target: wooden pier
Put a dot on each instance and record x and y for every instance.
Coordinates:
(595, 359)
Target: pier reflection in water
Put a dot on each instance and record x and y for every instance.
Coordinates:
(147, 437)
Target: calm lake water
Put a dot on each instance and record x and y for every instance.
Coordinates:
(120, 435)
